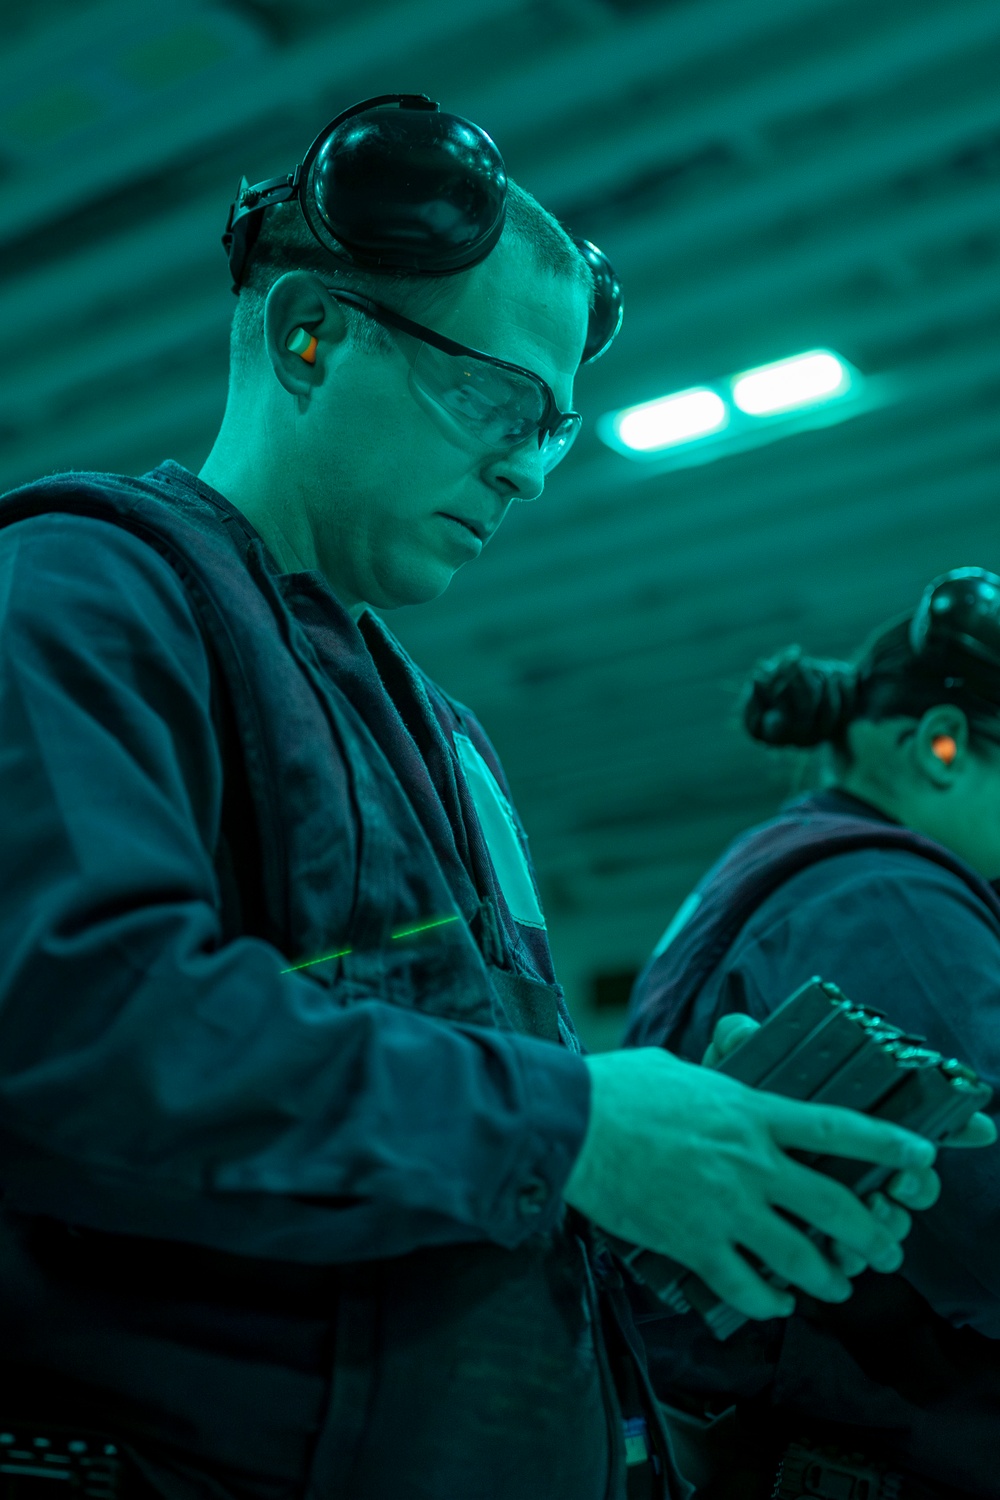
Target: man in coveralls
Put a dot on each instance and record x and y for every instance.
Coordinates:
(291, 1110)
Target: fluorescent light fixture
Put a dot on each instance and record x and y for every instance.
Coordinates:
(731, 415)
(788, 384)
(670, 420)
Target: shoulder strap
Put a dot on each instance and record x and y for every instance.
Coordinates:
(131, 504)
(237, 856)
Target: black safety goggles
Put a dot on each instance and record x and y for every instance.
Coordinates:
(501, 404)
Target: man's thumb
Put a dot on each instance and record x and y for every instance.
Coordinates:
(730, 1033)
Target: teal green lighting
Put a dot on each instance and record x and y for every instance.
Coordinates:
(695, 426)
(343, 952)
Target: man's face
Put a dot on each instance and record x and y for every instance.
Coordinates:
(394, 491)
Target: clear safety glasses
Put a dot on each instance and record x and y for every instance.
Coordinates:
(502, 404)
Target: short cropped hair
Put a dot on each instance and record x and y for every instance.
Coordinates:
(286, 244)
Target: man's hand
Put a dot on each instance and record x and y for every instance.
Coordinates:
(917, 1189)
(730, 1032)
(690, 1163)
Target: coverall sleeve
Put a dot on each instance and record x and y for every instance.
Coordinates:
(907, 937)
(156, 1080)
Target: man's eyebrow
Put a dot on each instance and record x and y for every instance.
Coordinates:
(552, 377)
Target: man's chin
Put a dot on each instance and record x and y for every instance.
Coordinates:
(419, 587)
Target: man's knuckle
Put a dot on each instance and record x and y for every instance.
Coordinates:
(885, 1242)
(709, 1263)
(834, 1201)
(829, 1130)
(724, 1278)
(799, 1259)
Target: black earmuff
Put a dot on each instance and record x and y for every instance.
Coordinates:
(391, 184)
(609, 304)
(394, 184)
(407, 189)
(959, 617)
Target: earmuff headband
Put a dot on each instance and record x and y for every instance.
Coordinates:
(391, 184)
(395, 184)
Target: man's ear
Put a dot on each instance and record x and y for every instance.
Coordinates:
(299, 301)
(941, 745)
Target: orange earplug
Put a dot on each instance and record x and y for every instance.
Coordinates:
(302, 344)
(944, 748)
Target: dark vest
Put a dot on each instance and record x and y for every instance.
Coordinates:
(467, 1371)
(663, 1010)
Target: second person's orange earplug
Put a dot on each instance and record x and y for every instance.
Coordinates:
(944, 747)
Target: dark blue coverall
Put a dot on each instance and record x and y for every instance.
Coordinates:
(910, 1366)
(279, 1230)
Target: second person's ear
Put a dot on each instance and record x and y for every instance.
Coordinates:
(941, 744)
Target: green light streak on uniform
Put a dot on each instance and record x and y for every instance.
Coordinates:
(327, 957)
(424, 927)
(343, 952)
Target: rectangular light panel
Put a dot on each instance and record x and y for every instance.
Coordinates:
(814, 389)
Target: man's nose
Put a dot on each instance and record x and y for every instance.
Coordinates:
(518, 473)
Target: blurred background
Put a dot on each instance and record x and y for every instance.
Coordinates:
(768, 178)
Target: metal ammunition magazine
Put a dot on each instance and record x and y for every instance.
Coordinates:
(819, 1046)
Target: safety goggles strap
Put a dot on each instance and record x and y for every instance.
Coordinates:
(246, 214)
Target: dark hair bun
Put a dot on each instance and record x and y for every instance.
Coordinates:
(793, 699)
